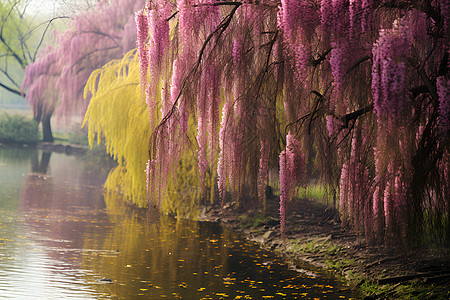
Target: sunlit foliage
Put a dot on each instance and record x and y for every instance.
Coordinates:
(118, 117)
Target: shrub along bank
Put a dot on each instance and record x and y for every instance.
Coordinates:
(18, 129)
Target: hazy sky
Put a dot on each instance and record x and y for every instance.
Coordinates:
(42, 7)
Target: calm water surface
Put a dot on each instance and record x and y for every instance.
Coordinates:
(60, 238)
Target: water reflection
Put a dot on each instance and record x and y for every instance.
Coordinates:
(41, 191)
(64, 239)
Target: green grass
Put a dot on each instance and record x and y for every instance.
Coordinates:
(78, 137)
(314, 246)
(317, 193)
(408, 290)
(253, 219)
(339, 264)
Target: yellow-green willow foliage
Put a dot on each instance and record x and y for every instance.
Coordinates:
(117, 115)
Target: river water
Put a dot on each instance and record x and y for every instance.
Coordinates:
(60, 239)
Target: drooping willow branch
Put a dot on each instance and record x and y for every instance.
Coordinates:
(271, 43)
(87, 55)
(358, 62)
(425, 79)
(443, 66)
(346, 119)
(220, 29)
(316, 108)
(310, 115)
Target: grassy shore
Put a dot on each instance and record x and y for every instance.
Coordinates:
(315, 240)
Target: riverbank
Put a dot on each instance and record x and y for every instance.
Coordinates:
(316, 240)
(69, 149)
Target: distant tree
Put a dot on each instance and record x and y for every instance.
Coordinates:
(21, 37)
(55, 81)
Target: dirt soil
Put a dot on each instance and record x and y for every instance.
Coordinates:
(315, 239)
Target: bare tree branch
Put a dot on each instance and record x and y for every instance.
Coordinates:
(8, 15)
(354, 115)
(44, 33)
(14, 91)
(322, 57)
(6, 73)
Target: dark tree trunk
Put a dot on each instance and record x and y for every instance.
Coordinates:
(47, 129)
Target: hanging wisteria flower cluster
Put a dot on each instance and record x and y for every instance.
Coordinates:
(356, 87)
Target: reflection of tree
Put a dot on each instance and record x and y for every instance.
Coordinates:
(181, 259)
(58, 199)
(165, 254)
(67, 183)
(15, 156)
(42, 165)
(14, 162)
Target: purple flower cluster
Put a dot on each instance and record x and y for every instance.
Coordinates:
(443, 90)
(263, 168)
(292, 173)
(224, 152)
(302, 60)
(326, 10)
(366, 19)
(159, 39)
(296, 15)
(339, 62)
(445, 11)
(334, 125)
(142, 35)
(237, 51)
(388, 73)
(333, 15)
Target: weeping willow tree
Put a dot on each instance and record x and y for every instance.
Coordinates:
(363, 88)
(356, 90)
(117, 116)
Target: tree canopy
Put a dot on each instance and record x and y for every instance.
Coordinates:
(353, 93)
(55, 81)
(21, 36)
